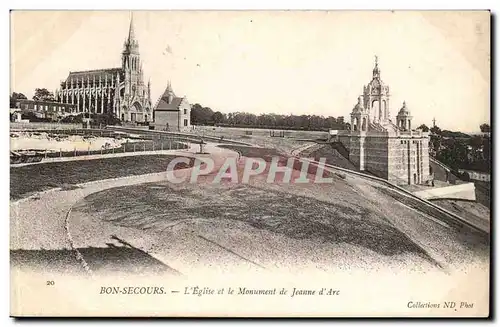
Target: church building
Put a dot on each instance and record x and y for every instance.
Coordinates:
(377, 145)
(120, 91)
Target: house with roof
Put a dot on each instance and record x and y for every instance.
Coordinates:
(172, 113)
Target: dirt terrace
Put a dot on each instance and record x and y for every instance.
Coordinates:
(203, 227)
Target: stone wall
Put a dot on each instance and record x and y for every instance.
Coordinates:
(461, 192)
(376, 155)
(401, 159)
(356, 151)
(184, 116)
(167, 120)
(409, 160)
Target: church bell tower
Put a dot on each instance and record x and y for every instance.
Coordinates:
(131, 63)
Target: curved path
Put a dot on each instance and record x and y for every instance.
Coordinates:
(38, 222)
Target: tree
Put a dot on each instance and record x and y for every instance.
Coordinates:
(218, 117)
(43, 95)
(485, 128)
(14, 97)
(435, 130)
(201, 115)
(454, 154)
(487, 150)
(476, 142)
(423, 127)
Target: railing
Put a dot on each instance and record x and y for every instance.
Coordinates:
(439, 163)
(148, 145)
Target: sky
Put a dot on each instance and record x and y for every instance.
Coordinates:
(284, 62)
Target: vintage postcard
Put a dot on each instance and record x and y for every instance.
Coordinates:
(250, 163)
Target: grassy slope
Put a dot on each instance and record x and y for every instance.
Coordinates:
(34, 178)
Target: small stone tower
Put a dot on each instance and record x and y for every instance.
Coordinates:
(404, 118)
(359, 117)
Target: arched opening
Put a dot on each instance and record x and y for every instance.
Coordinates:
(136, 106)
(363, 126)
(384, 109)
(375, 108)
(414, 178)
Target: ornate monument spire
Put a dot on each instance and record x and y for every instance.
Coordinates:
(376, 70)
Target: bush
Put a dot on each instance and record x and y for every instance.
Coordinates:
(72, 119)
(33, 118)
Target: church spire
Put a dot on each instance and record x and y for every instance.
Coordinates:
(131, 45)
(169, 87)
(131, 32)
(169, 92)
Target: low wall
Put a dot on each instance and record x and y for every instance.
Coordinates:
(441, 172)
(460, 192)
(36, 126)
(179, 134)
(483, 228)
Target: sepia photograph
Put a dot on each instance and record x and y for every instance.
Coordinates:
(298, 163)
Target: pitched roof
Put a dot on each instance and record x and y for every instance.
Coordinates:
(90, 74)
(163, 104)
